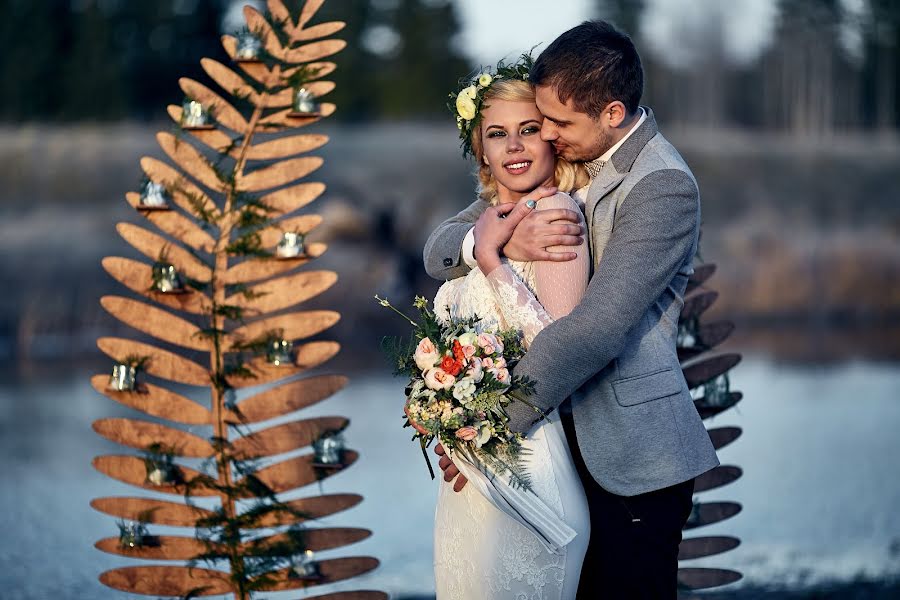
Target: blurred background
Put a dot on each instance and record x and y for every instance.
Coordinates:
(787, 111)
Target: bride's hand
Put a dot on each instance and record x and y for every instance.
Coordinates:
(495, 227)
(450, 470)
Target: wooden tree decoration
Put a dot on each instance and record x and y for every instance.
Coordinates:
(226, 260)
(708, 377)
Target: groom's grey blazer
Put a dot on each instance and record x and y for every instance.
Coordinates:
(614, 354)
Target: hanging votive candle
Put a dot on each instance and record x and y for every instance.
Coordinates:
(279, 353)
(154, 195)
(304, 102)
(686, 337)
(160, 470)
(715, 393)
(166, 279)
(305, 566)
(132, 535)
(194, 115)
(249, 47)
(329, 449)
(291, 245)
(123, 378)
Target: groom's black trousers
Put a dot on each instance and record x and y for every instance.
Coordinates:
(633, 550)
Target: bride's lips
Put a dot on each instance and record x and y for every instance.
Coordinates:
(517, 167)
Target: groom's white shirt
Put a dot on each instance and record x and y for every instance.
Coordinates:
(594, 166)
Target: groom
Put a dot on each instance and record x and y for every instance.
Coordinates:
(637, 440)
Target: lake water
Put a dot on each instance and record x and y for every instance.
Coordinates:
(820, 489)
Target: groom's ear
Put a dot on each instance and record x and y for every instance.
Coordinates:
(616, 112)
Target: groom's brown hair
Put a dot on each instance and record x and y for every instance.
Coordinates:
(593, 64)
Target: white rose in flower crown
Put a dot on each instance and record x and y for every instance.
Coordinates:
(426, 354)
(485, 79)
(465, 103)
(438, 379)
(464, 389)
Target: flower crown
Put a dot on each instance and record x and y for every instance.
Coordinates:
(466, 104)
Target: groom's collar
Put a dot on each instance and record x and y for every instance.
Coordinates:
(627, 153)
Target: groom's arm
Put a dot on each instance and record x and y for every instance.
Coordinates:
(442, 253)
(655, 229)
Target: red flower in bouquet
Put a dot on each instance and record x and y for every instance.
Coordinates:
(451, 365)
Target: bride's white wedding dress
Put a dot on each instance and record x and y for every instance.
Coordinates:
(481, 553)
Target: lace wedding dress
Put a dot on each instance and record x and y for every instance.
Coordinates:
(481, 553)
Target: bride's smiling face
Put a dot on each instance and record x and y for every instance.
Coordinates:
(518, 159)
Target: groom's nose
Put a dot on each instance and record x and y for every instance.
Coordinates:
(548, 131)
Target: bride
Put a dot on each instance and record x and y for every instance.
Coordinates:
(480, 552)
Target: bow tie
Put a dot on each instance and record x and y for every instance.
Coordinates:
(593, 167)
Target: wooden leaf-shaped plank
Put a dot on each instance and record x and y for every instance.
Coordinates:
(147, 510)
(283, 292)
(722, 436)
(164, 547)
(335, 569)
(307, 356)
(222, 111)
(696, 305)
(281, 173)
(290, 397)
(709, 335)
(228, 80)
(140, 435)
(133, 471)
(161, 363)
(316, 540)
(161, 580)
(699, 579)
(318, 31)
(314, 51)
(257, 269)
(176, 226)
(183, 190)
(156, 322)
(692, 548)
(709, 368)
(286, 96)
(281, 16)
(717, 477)
(190, 160)
(293, 326)
(286, 146)
(304, 509)
(156, 247)
(270, 236)
(136, 276)
(258, 24)
(314, 70)
(700, 275)
(286, 437)
(293, 198)
(707, 410)
(708, 513)
(298, 472)
(310, 8)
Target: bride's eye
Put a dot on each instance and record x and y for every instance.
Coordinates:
(496, 133)
(531, 129)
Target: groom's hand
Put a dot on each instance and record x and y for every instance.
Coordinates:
(450, 470)
(542, 229)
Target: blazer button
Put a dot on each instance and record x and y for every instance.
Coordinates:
(448, 262)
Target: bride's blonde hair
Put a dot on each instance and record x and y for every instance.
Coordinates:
(567, 176)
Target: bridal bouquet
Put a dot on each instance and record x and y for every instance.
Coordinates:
(459, 386)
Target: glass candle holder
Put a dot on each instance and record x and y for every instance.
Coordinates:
(123, 378)
(305, 566)
(132, 535)
(249, 47)
(166, 279)
(329, 449)
(716, 392)
(194, 114)
(160, 470)
(290, 246)
(279, 353)
(154, 195)
(304, 102)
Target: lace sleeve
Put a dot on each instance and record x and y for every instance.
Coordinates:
(559, 285)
